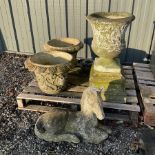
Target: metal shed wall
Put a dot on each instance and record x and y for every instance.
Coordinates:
(26, 24)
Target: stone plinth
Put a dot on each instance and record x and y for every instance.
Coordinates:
(113, 84)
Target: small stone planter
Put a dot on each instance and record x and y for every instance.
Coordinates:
(50, 69)
(69, 45)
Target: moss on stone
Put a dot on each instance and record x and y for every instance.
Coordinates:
(112, 83)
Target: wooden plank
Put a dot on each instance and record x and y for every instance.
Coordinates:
(20, 103)
(127, 67)
(128, 76)
(129, 84)
(141, 65)
(121, 106)
(77, 101)
(48, 98)
(127, 72)
(131, 92)
(134, 118)
(142, 69)
(144, 75)
(146, 82)
(147, 91)
(37, 108)
(111, 116)
(132, 100)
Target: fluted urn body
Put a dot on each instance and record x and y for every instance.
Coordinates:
(108, 37)
(50, 70)
(108, 40)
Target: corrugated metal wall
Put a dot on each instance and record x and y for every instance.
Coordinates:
(26, 24)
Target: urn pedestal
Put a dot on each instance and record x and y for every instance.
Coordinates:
(108, 41)
(50, 70)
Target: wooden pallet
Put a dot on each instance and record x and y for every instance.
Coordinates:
(76, 85)
(146, 85)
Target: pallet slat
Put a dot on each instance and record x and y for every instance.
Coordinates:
(146, 84)
(144, 75)
(77, 101)
(142, 65)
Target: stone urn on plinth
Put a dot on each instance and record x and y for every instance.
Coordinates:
(108, 41)
(68, 45)
(51, 70)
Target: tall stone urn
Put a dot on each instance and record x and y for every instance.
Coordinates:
(50, 70)
(68, 45)
(108, 40)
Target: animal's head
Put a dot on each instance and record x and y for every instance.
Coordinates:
(91, 102)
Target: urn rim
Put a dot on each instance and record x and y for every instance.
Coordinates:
(51, 59)
(111, 17)
(64, 44)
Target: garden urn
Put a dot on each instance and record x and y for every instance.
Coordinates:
(108, 40)
(50, 69)
(68, 45)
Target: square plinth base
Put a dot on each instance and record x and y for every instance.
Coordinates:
(113, 85)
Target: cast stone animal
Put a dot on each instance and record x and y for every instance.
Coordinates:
(64, 125)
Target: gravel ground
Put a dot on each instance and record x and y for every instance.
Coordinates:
(17, 127)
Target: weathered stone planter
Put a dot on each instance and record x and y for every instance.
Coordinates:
(108, 37)
(69, 45)
(50, 70)
(108, 41)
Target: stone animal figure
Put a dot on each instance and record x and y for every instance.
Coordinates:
(64, 125)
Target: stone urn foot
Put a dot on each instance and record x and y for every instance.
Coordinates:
(107, 65)
(50, 70)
